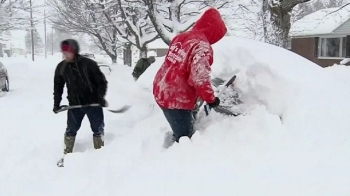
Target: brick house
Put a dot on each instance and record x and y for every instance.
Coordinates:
(323, 37)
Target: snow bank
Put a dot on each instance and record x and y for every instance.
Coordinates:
(288, 157)
(260, 66)
(340, 72)
(146, 79)
(305, 153)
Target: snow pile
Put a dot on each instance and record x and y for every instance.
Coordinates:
(345, 61)
(258, 71)
(146, 79)
(305, 153)
(289, 157)
(341, 73)
(324, 21)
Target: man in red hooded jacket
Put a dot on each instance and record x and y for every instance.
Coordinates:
(185, 73)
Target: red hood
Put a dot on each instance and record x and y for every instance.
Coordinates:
(211, 25)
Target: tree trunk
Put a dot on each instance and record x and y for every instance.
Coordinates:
(114, 59)
(276, 23)
(127, 54)
(143, 52)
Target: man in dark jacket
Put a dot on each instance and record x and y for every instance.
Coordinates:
(142, 65)
(86, 84)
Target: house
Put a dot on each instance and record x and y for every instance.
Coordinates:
(323, 37)
(10, 45)
(5, 50)
(159, 47)
(2, 45)
(18, 48)
(1, 49)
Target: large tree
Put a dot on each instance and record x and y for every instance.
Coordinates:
(244, 19)
(171, 17)
(38, 42)
(277, 20)
(130, 20)
(82, 16)
(138, 25)
(11, 14)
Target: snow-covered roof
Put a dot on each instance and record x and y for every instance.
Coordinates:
(17, 43)
(321, 22)
(17, 39)
(157, 44)
(4, 38)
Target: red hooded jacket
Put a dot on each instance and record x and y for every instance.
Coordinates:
(185, 73)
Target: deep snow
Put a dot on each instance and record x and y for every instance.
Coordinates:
(305, 152)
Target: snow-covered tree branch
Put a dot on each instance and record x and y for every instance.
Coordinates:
(244, 19)
(277, 20)
(136, 20)
(171, 17)
(80, 16)
(304, 9)
(131, 21)
(10, 14)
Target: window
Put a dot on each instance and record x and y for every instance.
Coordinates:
(332, 47)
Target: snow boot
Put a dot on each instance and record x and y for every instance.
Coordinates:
(169, 140)
(69, 144)
(98, 142)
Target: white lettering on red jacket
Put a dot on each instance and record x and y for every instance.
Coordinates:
(185, 73)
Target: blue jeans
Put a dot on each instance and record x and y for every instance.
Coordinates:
(181, 122)
(76, 116)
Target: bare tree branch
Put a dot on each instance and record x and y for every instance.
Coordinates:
(81, 16)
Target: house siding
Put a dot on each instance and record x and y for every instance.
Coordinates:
(161, 52)
(306, 48)
(343, 30)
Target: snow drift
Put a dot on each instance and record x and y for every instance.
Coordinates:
(293, 141)
(297, 124)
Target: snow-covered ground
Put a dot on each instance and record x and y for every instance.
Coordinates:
(293, 141)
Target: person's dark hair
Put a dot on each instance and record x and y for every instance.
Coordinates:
(73, 43)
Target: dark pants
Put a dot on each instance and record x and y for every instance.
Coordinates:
(181, 122)
(76, 116)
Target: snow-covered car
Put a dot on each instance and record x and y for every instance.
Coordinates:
(4, 79)
(88, 55)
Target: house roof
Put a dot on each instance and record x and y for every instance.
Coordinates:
(321, 22)
(4, 38)
(157, 44)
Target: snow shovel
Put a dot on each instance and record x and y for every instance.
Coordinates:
(66, 107)
(207, 107)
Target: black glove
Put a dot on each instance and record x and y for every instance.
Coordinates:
(216, 103)
(56, 108)
(103, 102)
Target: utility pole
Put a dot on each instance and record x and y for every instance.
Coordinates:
(45, 33)
(31, 28)
(52, 40)
(10, 8)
